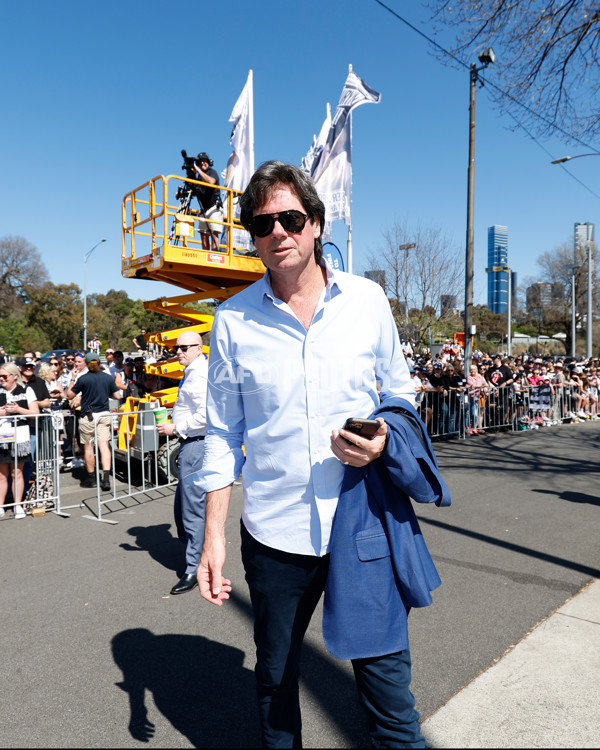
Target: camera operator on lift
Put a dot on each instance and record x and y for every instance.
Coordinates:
(208, 198)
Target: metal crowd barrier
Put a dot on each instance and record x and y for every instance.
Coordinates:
(145, 462)
(41, 473)
(489, 408)
(140, 466)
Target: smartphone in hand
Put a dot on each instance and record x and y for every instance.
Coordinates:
(363, 427)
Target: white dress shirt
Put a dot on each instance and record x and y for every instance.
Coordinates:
(189, 412)
(279, 390)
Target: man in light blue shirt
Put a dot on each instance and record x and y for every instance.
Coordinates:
(292, 357)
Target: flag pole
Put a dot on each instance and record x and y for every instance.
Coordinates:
(349, 243)
(251, 118)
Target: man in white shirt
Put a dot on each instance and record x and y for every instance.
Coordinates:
(291, 357)
(116, 367)
(188, 423)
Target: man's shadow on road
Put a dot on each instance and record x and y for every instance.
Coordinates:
(573, 497)
(200, 686)
(160, 544)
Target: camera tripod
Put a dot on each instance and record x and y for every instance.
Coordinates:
(186, 193)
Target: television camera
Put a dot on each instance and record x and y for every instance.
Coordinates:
(190, 161)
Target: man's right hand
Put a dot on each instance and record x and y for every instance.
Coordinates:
(213, 587)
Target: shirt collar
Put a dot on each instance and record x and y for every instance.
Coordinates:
(334, 283)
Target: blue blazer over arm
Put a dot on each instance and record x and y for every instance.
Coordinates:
(380, 566)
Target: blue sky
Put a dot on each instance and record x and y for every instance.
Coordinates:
(100, 97)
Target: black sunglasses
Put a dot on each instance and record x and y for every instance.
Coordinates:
(184, 347)
(291, 221)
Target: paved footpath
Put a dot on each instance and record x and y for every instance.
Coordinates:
(95, 653)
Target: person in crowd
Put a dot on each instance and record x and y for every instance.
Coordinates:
(140, 343)
(424, 391)
(67, 370)
(114, 361)
(115, 367)
(558, 381)
(49, 374)
(476, 388)
(16, 400)
(125, 380)
(577, 397)
(27, 366)
(456, 385)
(302, 318)
(188, 423)
(593, 390)
(95, 387)
(72, 451)
(149, 383)
(438, 397)
(94, 344)
(501, 377)
(521, 388)
(3, 356)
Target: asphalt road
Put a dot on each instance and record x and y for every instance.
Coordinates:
(95, 653)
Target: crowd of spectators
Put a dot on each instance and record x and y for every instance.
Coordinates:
(498, 393)
(30, 387)
(501, 392)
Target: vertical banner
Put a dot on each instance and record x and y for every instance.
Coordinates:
(240, 166)
(330, 165)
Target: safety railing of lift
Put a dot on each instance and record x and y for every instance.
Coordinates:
(152, 219)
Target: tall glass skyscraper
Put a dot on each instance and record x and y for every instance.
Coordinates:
(584, 234)
(497, 280)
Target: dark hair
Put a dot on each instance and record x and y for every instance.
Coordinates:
(265, 180)
(94, 366)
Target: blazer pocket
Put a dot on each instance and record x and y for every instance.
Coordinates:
(372, 547)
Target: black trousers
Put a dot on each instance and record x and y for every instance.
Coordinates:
(285, 588)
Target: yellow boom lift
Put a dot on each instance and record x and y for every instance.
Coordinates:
(161, 242)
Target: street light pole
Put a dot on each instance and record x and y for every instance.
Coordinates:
(509, 313)
(508, 271)
(573, 326)
(406, 246)
(578, 156)
(589, 321)
(85, 258)
(486, 57)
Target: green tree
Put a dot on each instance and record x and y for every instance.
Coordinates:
(55, 313)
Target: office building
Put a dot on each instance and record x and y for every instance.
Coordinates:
(542, 296)
(584, 234)
(498, 280)
(377, 276)
(448, 305)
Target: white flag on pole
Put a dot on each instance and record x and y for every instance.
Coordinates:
(240, 166)
(331, 169)
(314, 152)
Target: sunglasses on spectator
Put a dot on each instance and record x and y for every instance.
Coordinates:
(184, 347)
(109, 352)
(292, 221)
(54, 363)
